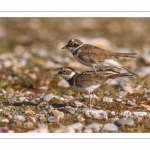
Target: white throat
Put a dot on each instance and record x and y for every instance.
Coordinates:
(68, 77)
(73, 50)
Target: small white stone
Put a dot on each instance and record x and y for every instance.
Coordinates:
(77, 127)
(63, 83)
(107, 99)
(139, 114)
(113, 113)
(125, 114)
(5, 120)
(18, 117)
(78, 104)
(96, 114)
(128, 89)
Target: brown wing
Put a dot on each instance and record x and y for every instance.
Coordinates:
(93, 54)
(84, 80)
(89, 77)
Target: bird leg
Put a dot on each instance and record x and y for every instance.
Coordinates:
(90, 99)
(94, 68)
(93, 98)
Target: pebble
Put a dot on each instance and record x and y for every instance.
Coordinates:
(64, 129)
(29, 111)
(118, 99)
(41, 128)
(69, 109)
(130, 103)
(22, 98)
(5, 120)
(50, 108)
(95, 127)
(80, 118)
(3, 91)
(57, 59)
(41, 96)
(77, 127)
(86, 97)
(107, 99)
(41, 53)
(18, 118)
(128, 89)
(121, 94)
(113, 113)
(48, 97)
(28, 124)
(68, 97)
(78, 104)
(4, 129)
(139, 114)
(49, 65)
(95, 114)
(41, 117)
(43, 104)
(125, 114)
(52, 119)
(58, 114)
(110, 127)
(144, 70)
(63, 83)
(145, 55)
(124, 122)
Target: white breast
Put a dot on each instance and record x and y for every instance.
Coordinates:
(88, 89)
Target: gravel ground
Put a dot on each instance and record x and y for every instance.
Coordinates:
(33, 100)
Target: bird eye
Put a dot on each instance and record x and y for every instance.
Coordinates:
(64, 71)
(71, 43)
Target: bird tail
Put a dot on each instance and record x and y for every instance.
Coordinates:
(121, 75)
(118, 55)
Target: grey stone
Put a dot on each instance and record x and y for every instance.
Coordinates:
(95, 114)
(52, 119)
(107, 99)
(78, 104)
(19, 118)
(121, 94)
(63, 83)
(57, 59)
(5, 120)
(69, 97)
(22, 98)
(64, 129)
(110, 127)
(48, 97)
(41, 53)
(77, 127)
(113, 113)
(130, 103)
(128, 89)
(69, 109)
(41, 128)
(4, 129)
(124, 122)
(139, 114)
(125, 114)
(93, 126)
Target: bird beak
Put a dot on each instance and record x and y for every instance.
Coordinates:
(57, 74)
(65, 47)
